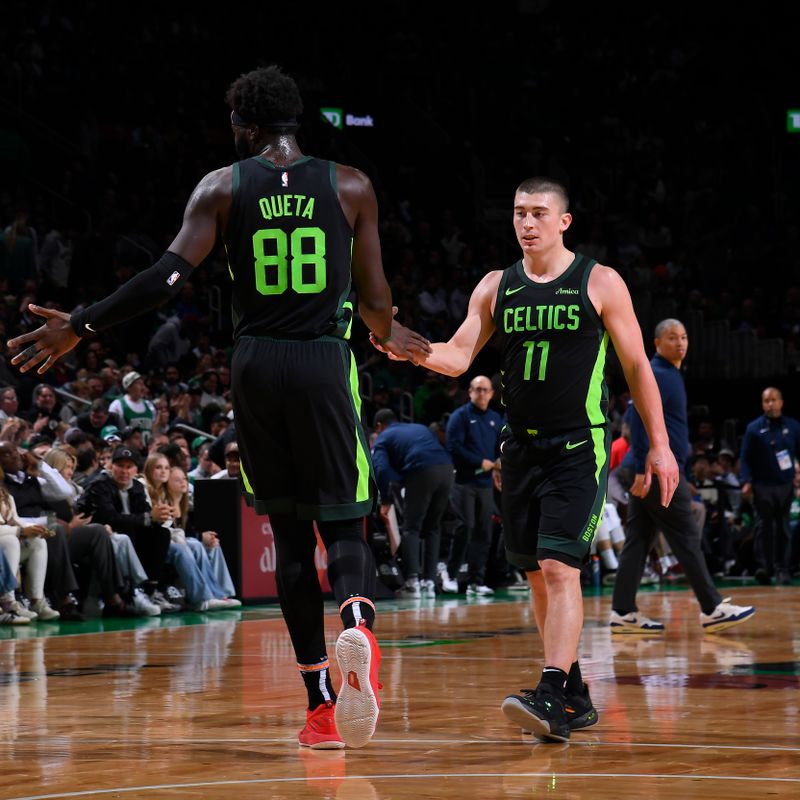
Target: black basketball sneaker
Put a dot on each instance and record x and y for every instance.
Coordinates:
(578, 707)
(539, 711)
(580, 711)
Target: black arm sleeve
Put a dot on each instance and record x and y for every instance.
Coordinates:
(143, 292)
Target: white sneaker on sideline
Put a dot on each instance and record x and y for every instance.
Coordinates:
(10, 618)
(634, 622)
(449, 585)
(475, 588)
(649, 577)
(518, 582)
(43, 610)
(21, 611)
(144, 605)
(213, 604)
(161, 601)
(427, 589)
(410, 588)
(725, 615)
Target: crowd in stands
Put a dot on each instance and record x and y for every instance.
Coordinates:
(96, 506)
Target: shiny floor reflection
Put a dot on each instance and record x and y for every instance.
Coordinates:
(211, 709)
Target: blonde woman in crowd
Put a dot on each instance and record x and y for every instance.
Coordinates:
(205, 545)
(203, 593)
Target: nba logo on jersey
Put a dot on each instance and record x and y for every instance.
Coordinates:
(284, 178)
(172, 278)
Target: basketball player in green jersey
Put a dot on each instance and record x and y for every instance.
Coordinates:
(554, 313)
(298, 231)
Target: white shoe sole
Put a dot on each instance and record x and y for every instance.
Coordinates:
(715, 627)
(356, 707)
(635, 630)
(326, 746)
(51, 617)
(332, 745)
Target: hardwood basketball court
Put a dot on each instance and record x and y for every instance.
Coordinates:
(209, 706)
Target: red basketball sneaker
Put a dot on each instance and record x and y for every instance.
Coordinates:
(357, 706)
(320, 731)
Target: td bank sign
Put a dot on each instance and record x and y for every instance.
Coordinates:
(338, 118)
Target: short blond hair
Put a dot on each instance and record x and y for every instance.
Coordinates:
(58, 458)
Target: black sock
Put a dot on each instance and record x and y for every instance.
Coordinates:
(356, 609)
(555, 679)
(351, 570)
(318, 685)
(574, 679)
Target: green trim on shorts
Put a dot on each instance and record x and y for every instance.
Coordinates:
(575, 551)
(245, 480)
(363, 465)
(344, 511)
(599, 437)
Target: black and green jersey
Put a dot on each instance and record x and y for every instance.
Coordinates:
(554, 351)
(289, 248)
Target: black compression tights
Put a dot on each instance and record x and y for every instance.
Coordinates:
(351, 573)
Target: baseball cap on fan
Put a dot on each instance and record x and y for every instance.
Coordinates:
(130, 378)
(123, 453)
(110, 433)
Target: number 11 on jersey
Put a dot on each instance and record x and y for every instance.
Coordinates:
(531, 348)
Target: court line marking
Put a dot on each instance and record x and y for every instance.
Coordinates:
(422, 776)
(424, 742)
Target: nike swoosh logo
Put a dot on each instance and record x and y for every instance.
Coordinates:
(89, 327)
(514, 291)
(571, 446)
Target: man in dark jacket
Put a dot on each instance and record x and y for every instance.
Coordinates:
(118, 500)
(769, 455)
(472, 438)
(411, 454)
(646, 515)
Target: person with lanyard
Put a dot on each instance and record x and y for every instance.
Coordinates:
(769, 455)
(473, 439)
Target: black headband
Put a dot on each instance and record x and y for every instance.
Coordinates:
(238, 119)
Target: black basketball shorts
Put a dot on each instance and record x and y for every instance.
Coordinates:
(553, 494)
(297, 411)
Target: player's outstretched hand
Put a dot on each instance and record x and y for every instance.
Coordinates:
(47, 343)
(403, 344)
